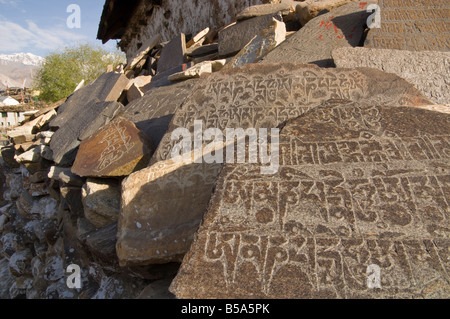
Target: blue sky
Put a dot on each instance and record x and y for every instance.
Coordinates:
(40, 26)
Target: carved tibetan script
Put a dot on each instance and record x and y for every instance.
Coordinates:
(357, 186)
(412, 25)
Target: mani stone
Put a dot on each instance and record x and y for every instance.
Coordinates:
(357, 187)
(265, 9)
(428, 71)
(342, 27)
(412, 25)
(235, 37)
(173, 54)
(264, 42)
(152, 113)
(117, 149)
(86, 122)
(108, 87)
(162, 205)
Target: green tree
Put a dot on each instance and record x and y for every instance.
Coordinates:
(62, 71)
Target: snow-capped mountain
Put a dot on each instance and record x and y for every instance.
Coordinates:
(23, 58)
(14, 67)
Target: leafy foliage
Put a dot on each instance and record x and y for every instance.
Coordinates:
(62, 71)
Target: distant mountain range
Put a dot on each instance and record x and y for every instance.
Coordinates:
(15, 66)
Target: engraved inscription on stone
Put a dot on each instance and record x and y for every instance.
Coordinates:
(412, 25)
(168, 199)
(117, 149)
(358, 186)
(313, 43)
(428, 71)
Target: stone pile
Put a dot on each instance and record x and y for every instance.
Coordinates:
(361, 178)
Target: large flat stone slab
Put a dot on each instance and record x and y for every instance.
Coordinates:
(428, 71)
(152, 113)
(235, 37)
(107, 87)
(162, 205)
(87, 121)
(173, 54)
(116, 149)
(358, 187)
(412, 25)
(314, 43)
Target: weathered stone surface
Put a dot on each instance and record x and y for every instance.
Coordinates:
(20, 263)
(162, 79)
(265, 9)
(102, 242)
(153, 112)
(428, 71)
(157, 290)
(32, 126)
(67, 138)
(65, 175)
(163, 204)
(267, 40)
(173, 54)
(8, 154)
(203, 50)
(145, 49)
(106, 88)
(101, 201)
(412, 25)
(32, 156)
(198, 70)
(342, 27)
(5, 279)
(38, 189)
(197, 39)
(72, 197)
(309, 9)
(235, 37)
(134, 93)
(117, 149)
(357, 186)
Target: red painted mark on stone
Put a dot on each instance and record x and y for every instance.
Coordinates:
(362, 5)
(320, 37)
